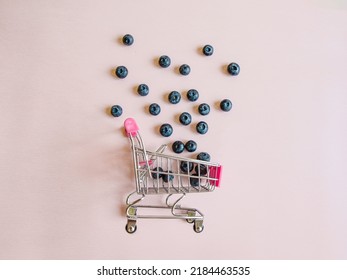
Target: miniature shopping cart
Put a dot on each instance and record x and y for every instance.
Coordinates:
(157, 173)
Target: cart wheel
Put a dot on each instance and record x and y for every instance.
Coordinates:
(198, 229)
(130, 228)
(190, 221)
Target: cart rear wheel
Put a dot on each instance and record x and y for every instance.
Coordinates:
(190, 221)
(130, 228)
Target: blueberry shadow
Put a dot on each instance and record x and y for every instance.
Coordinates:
(113, 73)
(177, 70)
(216, 105)
(199, 51)
(177, 118)
(224, 70)
(155, 62)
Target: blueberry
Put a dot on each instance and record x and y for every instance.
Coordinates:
(192, 95)
(233, 69)
(167, 177)
(226, 105)
(157, 174)
(185, 118)
(194, 181)
(121, 72)
(184, 69)
(128, 40)
(207, 50)
(202, 168)
(178, 147)
(191, 146)
(143, 89)
(174, 97)
(202, 127)
(154, 109)
(164, 61)
(186, 166)
(203, 156)
(204, 109)
(166, 130)
(116, 111)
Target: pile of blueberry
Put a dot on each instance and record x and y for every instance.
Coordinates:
(174, 97)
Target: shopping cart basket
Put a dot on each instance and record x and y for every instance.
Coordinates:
(157, 173)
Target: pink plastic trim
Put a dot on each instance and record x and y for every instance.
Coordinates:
(216, 173)
(131, 127)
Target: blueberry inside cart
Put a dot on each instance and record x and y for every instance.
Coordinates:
(157, 173)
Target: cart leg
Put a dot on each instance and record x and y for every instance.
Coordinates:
(198, 225)
(191, 214)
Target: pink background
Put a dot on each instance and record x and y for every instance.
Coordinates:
(64, 162)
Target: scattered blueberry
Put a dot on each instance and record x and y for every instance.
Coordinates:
(233, 69)
(167, 177)
(226, 105)
(116, 111)
(174, 97)
(191, 146)
(203, 169)
(207, 50)
(185, 118)
(184, 69)
(203, 156)
(164, 61)
(186, 166)
(192, 95)
(157, 174)
(204, 109)
(121, 72)
(202, 127)
(194, 181)
(166, 130)
(154, 109)
(128, 40)
(143, 89)
(178, 147)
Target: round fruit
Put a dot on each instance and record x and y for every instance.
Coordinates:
(202, 127)
(226, 105)
(186, 166)
(204, 109)
(121, 72)
(128, 40)
(233, 69)
(191, 146)
(203, 156)
(166, 130)
(116, 111)
(164, 61)
(143, 89)
(178, 147)
(185, 118)
(207, 50)
(154, 109)
(167, 177)
(194, 181)
(192, 95)
(157, 173)
(174, 97)
(184, 69)
(203, 169)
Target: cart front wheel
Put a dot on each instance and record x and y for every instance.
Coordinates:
(198, 228)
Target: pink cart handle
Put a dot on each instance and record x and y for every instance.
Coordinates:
(216, 173)
(131, 127)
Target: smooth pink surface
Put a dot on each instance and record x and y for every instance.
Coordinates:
(65, 165)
